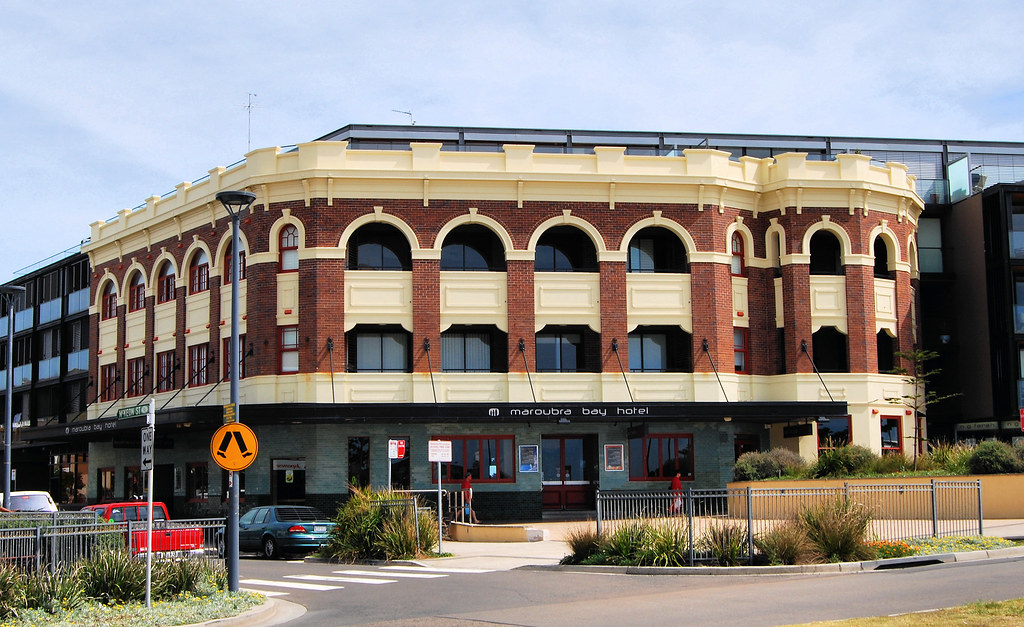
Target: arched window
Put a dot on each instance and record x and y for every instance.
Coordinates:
(882, 259)
(199, 273)
(774, 251)
(825, 258)
(655, 249)
(165, 283)
(830, 350)
(565, 249)
(472, 247)
(379, 246)
(137, 293)
(108, 302)
(228, 262)
(739, 264)
(288, 249)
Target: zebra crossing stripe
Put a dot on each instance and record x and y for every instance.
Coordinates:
(266, 593)
(289, 584)
(429, 569)
(369, 573)
(340, 579)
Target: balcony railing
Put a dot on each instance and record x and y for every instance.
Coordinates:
(78, 301)
(49, 368)
(50, 310)
(78, 361)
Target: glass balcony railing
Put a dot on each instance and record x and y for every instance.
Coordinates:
(1017, 244)
(50, 310)
(1018, 319)
(22, 375)
(78, 361)
(23, 319)
(78, 301)
(49, 368)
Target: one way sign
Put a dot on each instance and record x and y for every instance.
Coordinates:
(147, 448)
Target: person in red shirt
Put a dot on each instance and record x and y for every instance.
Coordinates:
(467, 501)
(676, 487)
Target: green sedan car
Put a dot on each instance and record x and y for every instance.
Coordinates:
(277, 530)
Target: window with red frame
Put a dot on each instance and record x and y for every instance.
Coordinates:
(834, 433)
(199, 273)
(738, 264)
(136, 374)
(165, 283)
(486, 458)
(227, 265)
(108, 376)
(741, 349)
(165, 371)
(658, 457)
(892, 435)
(197, 482)
(241, 357)
(198, 371)
(289, 349)
(288, 255)
(108, 302)
(137, 293)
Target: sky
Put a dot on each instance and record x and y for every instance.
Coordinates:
(103, 104)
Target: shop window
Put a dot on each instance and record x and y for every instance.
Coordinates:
(655, 249)
(108, 301)
(359, 462)
(658, 457)
(741, 350)
(565, 249)
(487, 459)
(165, 283)
(137, 293)
(834, 433)
(108, 380)
(379, 246)
(198, 365)
(886, 351)
(228, 261)
(738, 263)
(197, 482)
(288, 249)
(567, 349)
(136, 375)
(660, 349)
(165, 371)
(825, 257)
(472, 248)
(199, 273)
(105, 484)
(829, 350)
(378, 349)
(881, 250)
(241, 357)
(892, 435)
(474, 349)
(289, 344)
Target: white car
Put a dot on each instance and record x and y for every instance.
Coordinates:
(31, 501)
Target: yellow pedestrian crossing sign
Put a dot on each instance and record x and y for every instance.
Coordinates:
(234, 446)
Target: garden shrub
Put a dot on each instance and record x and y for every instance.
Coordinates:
(624, 543)
(886, 549)
(843, 461)
(838, 530)
(786, 543)
(952, 458)
(113, 576)
(726, 542)
(172, 578)
(583, 542)
(57, 591)
(891, 464)
(667, 545)
(992, 457)
(367, 527)
(12, 591)
(789, 462)
(756, 466)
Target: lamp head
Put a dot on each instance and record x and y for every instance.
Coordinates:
(236, 201)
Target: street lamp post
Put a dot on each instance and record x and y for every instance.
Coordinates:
(235, 202)
(10, 292)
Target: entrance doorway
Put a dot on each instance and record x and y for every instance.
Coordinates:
(569, 467)
(288, 481)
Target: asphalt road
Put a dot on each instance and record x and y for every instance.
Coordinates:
(538, 597)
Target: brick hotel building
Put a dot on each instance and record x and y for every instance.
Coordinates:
(571, 315)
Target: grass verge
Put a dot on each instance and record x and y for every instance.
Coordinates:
(988, 613)
(183, 610)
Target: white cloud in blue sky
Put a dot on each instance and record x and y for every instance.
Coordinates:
(103, 104)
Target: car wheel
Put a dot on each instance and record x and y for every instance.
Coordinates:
(270, 548)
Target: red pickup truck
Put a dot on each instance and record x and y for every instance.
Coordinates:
(168, 537)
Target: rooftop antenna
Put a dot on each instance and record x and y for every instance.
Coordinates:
(250, 107)
(412, 122)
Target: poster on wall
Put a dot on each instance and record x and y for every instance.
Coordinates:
(528, 458)
(613, 458)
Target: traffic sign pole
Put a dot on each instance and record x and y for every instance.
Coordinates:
(149, 432)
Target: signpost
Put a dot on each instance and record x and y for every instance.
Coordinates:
(138, 410)
(439, 451)
(396, 450)
(148, 437)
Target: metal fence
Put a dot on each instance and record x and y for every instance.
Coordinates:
(898, 511)
(48, 547)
